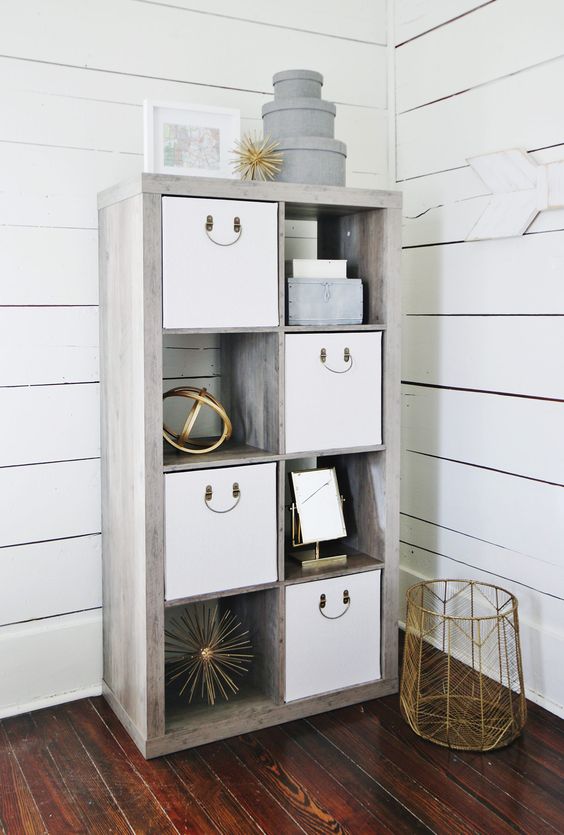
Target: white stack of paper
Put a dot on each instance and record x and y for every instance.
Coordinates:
(316, 268)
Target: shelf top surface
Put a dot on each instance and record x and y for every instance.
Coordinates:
(302, 200)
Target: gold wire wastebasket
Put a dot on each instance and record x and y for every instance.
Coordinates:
(462, 678)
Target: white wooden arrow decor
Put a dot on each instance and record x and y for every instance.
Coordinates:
(521, 188)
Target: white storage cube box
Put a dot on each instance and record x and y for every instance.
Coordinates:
(332, 634)
(223, 539)
(220, 263)
(332, 402)
(328, 301)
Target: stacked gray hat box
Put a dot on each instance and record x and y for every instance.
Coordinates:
(304, 126)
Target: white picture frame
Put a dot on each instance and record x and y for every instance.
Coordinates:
(189, 139)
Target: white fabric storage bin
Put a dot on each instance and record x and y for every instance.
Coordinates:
(324, 301)
(220, 263)
(337, 645)
(335, 404)
(220, 541)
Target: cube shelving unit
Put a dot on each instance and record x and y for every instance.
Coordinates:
(362, 226)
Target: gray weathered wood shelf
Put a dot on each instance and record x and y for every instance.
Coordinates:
(230, 454)
(333, 328)
(356, 563)
(362, 226)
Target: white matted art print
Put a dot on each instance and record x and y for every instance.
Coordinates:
(189, 139)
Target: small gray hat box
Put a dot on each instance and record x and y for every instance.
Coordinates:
(324, 301)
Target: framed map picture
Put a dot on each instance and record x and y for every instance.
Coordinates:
(189, 139)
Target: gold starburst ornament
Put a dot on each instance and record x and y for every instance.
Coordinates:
(256, 158)
(204, 651)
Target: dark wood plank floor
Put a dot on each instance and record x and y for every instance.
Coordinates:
(358, 770)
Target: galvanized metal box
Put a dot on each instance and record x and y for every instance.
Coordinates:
(324, 301)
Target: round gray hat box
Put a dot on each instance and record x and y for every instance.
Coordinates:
(299, 117)
(313, 159)
(292, 84)
(302, 124)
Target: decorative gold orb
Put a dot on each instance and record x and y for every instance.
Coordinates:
(257, 159)
(203, 651)
(181, 440)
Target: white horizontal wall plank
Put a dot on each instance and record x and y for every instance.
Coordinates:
(48, 266)
(50, 501)
(49, 423)
(70, 119)
(50, 661)
(64, 121)
(50, 578)
(57, 186)
(191, 355)
(48, 345)
(192, 361)
(443, 135)
(510, 275)
(509, 35)
(488, 353)
(444, 207)
(364, 130)
(39, 101)
(542, 648)
(516, 513)
(357, 20)
(413, 17)
(206, 49)
(301, 248)
(502, 564)
(93, 144)
(72, 107)
(513, 434)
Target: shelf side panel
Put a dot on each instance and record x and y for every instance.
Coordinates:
(154, 480)
(124, 465)
(388, 260)
(251, 372)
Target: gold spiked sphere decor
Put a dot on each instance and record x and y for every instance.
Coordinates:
(182, 440)
(256, 158)
(205, 650)
(462, 679)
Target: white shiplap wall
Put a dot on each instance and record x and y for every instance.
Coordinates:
(72, 80)
(483, 366)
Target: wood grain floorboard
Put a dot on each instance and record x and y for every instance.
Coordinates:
(505, 808)
(92, 798)
(18, 809)
(313, 816)
(434, 804)
(134, 798)
(183, 809)
(359, 770)
(329, 792)
(253, 795)
(53, 799)
(391, 814)
(66, 786)
(227, 814)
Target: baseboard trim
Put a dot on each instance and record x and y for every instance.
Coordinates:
(51, 701)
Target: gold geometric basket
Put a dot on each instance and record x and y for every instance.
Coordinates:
(462, 679)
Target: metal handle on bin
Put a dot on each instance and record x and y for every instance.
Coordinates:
(346, 601)
(209, 495)
(237, 228)
(347, 357)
